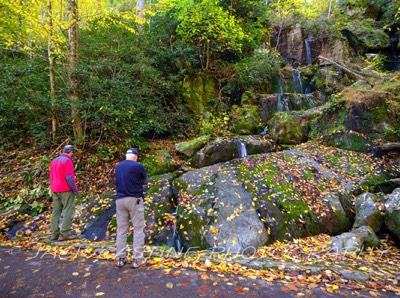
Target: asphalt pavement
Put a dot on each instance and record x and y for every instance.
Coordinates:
(34, 274)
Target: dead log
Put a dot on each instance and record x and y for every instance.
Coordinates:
(386, 149)
(352, 71)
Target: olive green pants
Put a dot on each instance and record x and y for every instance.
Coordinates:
(62, 201)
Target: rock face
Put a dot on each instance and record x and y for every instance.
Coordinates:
(224, 149)
(295, 43)
(346, 124)
(392, 209)
(367, 212)
(285, 102)
(189, 148)
(355, 241)
(240, 205)
(364, 38)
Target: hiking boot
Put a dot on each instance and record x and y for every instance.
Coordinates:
(120, 262)
(54, 237)
(68, 237)
(138, 262)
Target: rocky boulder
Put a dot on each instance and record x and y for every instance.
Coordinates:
(367, 212)
(392, 212)
(159, 208)
(355, 241)
(159, 162)
(364, 37)
(226, 149)
(292, 128)
(267, 197)
(189, 148)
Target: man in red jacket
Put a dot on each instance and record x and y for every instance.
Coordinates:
(63, 187)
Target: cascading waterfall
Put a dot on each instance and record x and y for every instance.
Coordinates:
(299, 103)
(297, 82)
(286, 104)
(279, 106)
(308, 96)
(298, 87)
(242, 148)
(308, 42)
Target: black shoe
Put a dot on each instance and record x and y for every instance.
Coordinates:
(54, 237)
(69, 237)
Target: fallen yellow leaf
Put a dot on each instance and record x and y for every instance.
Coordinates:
(208, 263)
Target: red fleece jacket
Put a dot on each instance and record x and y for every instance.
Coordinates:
(60, 168)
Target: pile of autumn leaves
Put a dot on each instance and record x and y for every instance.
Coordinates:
(383, 262)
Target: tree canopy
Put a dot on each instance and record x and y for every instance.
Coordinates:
(125, 79)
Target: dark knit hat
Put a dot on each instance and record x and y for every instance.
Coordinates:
(132, 151)
(68, 149)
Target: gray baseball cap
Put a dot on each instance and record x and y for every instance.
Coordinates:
(68, 149)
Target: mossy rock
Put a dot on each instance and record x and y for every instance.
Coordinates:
(364, 36)
(191, 228)
(197, 90)
(159, 162)
(189, 148)
(329, 81)
(245, 119)
(285, 128)
(349, 141)
(249, 98)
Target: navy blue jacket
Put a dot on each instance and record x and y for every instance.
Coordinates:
(130, 177)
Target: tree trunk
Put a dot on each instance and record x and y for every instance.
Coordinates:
(51, 70)
(72, 67)
(140, 5)
(356, 73)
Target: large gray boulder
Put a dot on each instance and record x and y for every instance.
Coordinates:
(237, 228)
(355, 241)
(216, 212)
(221, 150)
(189, 148)
(159, 207)
(226, 149)
(392, 212)
(367, 212)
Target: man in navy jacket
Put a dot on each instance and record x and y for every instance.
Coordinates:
(130, 177)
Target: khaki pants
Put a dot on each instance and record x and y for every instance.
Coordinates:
(128, 208)
(62, 201)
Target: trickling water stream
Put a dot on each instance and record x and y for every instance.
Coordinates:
(297, 82)
(242, 148)
(308, 42)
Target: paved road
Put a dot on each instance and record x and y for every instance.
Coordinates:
(32, 274)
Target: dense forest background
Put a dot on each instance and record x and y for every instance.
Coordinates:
(114, 72)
